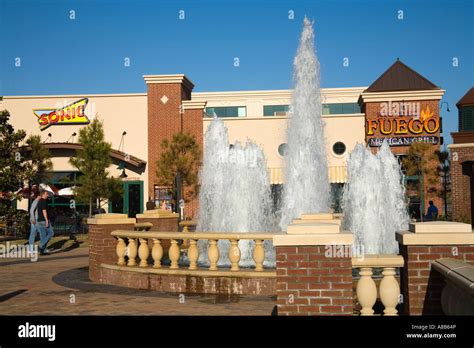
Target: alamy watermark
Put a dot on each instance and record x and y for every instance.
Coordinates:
(19, 251)
(344, 251)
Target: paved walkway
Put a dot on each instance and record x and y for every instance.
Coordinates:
(46, 287)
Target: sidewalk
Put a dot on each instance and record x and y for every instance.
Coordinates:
(47, 286)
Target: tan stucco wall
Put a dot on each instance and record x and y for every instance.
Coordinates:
(128, 112)
(270, 132)
(125, 112)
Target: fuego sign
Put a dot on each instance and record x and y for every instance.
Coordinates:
(425, 124)
(68, 115)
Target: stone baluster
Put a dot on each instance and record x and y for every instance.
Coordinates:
(132, 252)
(193, 254)
(234, 255)
(120, 250)
(157, 253)
(366, 291)
(143, 252)
(259, 255)
(389, 291)
(173, 253)
(213, 254)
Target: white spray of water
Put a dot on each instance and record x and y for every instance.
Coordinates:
(306, 171)
(235, 194)
(373, 200)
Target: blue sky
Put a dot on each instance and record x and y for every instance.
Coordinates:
(86, 55)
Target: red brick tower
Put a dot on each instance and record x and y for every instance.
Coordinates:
(170, 111)
(402, 107)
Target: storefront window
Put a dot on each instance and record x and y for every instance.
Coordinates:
(341, 108)
(275, 110)
(163, 194)
(467, 119)
(65, 212)
(227, 111)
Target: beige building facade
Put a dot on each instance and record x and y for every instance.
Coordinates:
(136, 124)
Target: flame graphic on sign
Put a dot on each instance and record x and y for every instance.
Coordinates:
(426, 114)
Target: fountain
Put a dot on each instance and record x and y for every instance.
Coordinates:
(373, 201)
(306, 171)
(234, 194)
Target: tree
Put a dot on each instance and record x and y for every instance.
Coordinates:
(14, 167)
(93, 160)
(40, 159)
(18, 165)
(419, 161)
(180, 157)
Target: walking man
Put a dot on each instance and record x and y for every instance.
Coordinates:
(44, 223)
(33, 221)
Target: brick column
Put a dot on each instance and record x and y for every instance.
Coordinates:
(193, 123)
(461, 182)
(163, 221)
(313, 278)
(101, 244)
(166, 117)
(426, 242)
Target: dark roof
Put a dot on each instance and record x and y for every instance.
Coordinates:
(400, 77)
(467, 99)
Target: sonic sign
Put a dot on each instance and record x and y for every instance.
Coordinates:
(402, 124)
(71, 114)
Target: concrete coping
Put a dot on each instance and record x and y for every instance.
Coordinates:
(317, 216)
(110, 216)
(313, 228)
(456, 271)
(450, 238)
(194, 235)
(157, 214)
(324, 239)
(200, 272)
(388, 260)
(440, 227)
(306, 221)
(110, 221)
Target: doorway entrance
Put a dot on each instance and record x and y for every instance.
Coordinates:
(131, 202)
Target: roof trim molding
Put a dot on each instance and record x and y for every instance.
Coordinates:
(122, 156)
(193, 105)
(432, 94)
(175, 78)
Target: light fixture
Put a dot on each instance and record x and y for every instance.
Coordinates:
(72, 136)
(447, 106)
(122, 142)
(121, 166)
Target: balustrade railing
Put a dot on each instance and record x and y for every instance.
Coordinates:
(389, 288)
(133, 244)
